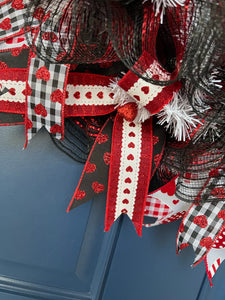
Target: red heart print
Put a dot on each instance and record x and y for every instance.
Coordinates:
(169, 188)
(181, 229)
(145, 89)
(106, 158)
(98, 187)
(125, 201)
(126, 191)
(18, 4)
(221, 215)
(155, 140)
(124, 211)
(200, 221)
(39, 13)
(131, 145)
(76, 95)
(137, 97)
(57, 96)
(6, 24)
(206, 242)
(129, 169)
(131, 134)
(40, 110)
(102, 138)
(184, 245)
(90, 168)
(80, 195)
(130, 157)
(127, 180)
(100, 95)
(111, 95)
(43, 73)
(56, 129)
(50, 36)
(3, 65)
(27, 91)
(16, 52)
(88, 95)
(132, 124)
(12, 91)
(175, 202)
(128, 111)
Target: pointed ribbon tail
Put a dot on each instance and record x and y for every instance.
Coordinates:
(94, 179)
(130, 169)
(46, 89)
(201, 227)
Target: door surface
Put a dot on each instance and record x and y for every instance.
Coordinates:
(47, 253)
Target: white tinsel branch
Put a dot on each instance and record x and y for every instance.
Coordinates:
(178, 117)
(161, 5)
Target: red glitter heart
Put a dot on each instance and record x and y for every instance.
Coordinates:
(39, 13)
(57, 96)
(106, 158)
(221, 215)
(43, 73)
(3, 65)
(6, 24)
(18, 4)
(102, 138)
(56, 129)
(90, 168)
(128, 111)
(155, 139)
(145, 89)
(40, 110)
(200, 221)
(206, 242)
(80, 195)
(16, 52)
(27, 91)
(98, 187)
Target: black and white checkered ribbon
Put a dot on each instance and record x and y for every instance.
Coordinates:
(201, 237)
(45, 104)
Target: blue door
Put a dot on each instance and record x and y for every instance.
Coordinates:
(46, 253)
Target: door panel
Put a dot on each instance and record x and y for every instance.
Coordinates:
(147, 267)
(46, 252)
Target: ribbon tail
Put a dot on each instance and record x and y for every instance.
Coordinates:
(130, 170)
(94, 179)
(46, 89)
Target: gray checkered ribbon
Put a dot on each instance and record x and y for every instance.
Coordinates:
(12, 18)
(200, 228)
(46, 97)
